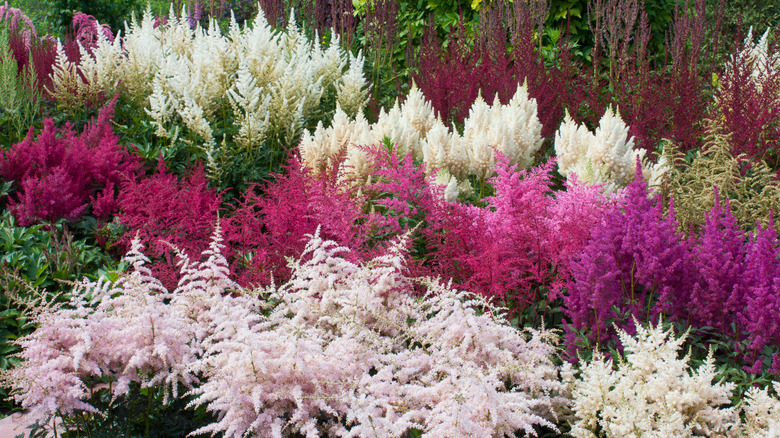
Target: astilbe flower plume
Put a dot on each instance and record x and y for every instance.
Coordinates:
(162, 210)
(274, 226)
(509, 247)
(634, 263)
(337, 356)
(651, 392)
(58, 173)
(132, 330)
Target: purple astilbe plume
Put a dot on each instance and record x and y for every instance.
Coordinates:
(718, 294)
(162, 211)
(58, 173)
(761, 278)
(635, 263)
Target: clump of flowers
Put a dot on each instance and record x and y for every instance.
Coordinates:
(59, 173)
(513, 129)
(340, 349)
(651, 391)
(606, 156)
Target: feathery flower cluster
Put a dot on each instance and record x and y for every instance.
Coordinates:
(604, 157)
(272, 81)
(130, 331)
(513, 129)
(346, 350)
(58, 173)
(436, 364)
(652, 393)
(764, 65)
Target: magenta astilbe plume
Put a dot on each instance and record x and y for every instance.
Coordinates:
(524, 233)
(162, 210)
(58, 173)
(636, 263)
(761, 316)
(718, 294)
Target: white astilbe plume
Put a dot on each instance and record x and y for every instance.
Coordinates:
(651, 393)
(349, 351)
(249, 107)
(762, 413)
(513, 129)
(65, 80)
(756, 55)
(604, 157)
(351, 91)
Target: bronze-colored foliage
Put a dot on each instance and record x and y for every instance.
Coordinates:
(750, 186)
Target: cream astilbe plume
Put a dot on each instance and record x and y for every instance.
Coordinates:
(757, 55)
(143, 48)
(606, 157)
(652, 392)
(762, 413)
(249, 107)
(65, 80)
(351, 89)
(514, 129)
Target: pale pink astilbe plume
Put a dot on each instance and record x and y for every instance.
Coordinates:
(132, 330)
(349, 351)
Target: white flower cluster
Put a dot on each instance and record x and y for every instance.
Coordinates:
(756, 55)
(604, 157)
(513, 129)
(653, 393)
(272, 81)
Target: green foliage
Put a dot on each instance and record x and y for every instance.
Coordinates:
(111, 12)
(19, 99)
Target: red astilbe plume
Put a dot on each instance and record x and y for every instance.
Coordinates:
(58, 173)
(748, 100)
(274, 226)
(162, 210)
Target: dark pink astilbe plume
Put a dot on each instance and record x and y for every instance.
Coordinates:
(524, 233)
(162, 210)
(58, 173)
(274, 226)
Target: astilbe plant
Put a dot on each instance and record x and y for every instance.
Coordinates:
(342, 348)
(635, 263)
(264, 231)
(127, 331)
(520, 240)
(162, 210)
(403, 363)
(652, 392)
(58, 173)
(747, 100)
